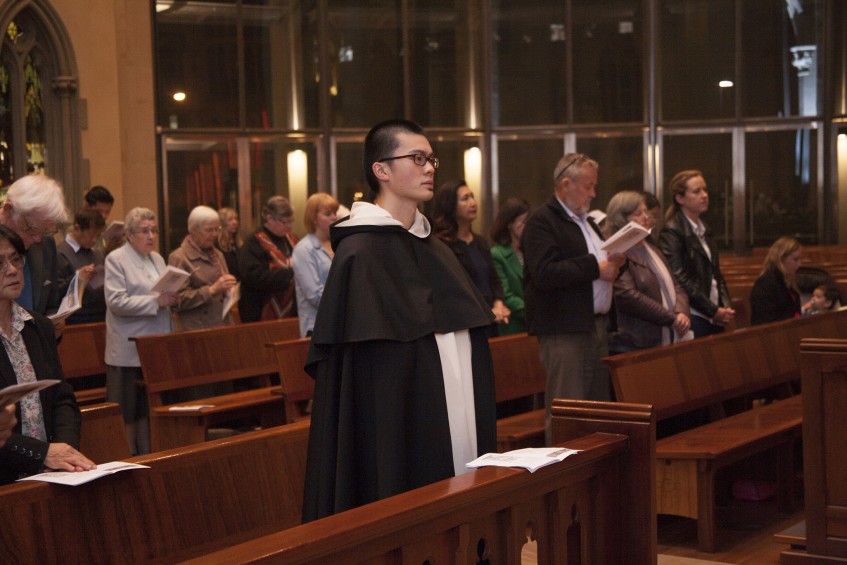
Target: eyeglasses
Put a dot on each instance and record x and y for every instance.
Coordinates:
(579, 157)
(35, 230)
(147, 231)
(16, 260)
(419, 158)
(211, 230)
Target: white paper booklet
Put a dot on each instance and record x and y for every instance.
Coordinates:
(597, 215)
(231, 298)
(171, 280)
(625, 238)
(529, 458)
(73, 479)
(72, 300)
(13, 393)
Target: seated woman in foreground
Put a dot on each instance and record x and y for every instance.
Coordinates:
(652, 307)
(775, 295)
(47, 433)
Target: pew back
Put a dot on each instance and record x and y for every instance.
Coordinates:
(190, 501)
(578, 511)
(82, 354)
(686, 376)
(103, 433)
(297, 386)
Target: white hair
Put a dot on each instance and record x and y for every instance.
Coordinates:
(201, 215)
(136, 216)
(38, 194)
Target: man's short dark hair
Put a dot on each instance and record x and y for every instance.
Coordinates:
(381, 142)
(88, 218)
(98, 194)
(650, 200)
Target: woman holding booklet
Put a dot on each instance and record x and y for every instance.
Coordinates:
(134, 308)
(652, 307)
(202, 295)
(46, 434)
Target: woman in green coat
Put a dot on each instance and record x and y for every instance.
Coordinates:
(508, 259)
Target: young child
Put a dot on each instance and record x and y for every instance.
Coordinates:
(823, 299)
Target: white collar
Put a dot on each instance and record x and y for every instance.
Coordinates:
(367, 214)
(72, 242)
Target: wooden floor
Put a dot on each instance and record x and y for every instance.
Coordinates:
(745, 536)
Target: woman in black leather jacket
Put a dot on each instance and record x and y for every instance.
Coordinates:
(693, 255)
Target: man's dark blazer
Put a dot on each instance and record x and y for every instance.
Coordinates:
(44, 275)
(61, 414)
(558, 272)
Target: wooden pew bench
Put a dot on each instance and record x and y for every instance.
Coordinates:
(518, 373)
(721, 373)
(178, 361)
(82, 354)
(594, 507)
(191, 501)
(103, 433)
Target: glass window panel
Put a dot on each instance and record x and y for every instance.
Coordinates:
(697, 52)
(621, 165)
(285, 168)
(275, 67)
(443, 62)
(529, 35)
(712, 155)
(36, 137)
(839, 57)
(352, 185)
(607, 65)
(7, 161)
(366, 62)
(199, 171)
(841, 169)
(205, 69)
(780, 58)
(782, 195)
(525, 167)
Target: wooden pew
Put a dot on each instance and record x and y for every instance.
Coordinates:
(711, 373)
(82, 354)
(824, 533)
(103, 434)
(518, 373)
(592, 508)
(191, 501)
(296, 385)
(176, 361)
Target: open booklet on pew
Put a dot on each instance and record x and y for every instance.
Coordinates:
(529, 458)
(74, 478)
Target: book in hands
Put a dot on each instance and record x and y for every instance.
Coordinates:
(74, 478)
(13, 393)
(530, 458)
(171, 280)
(72, 301)
(230, 299)
(625, 238)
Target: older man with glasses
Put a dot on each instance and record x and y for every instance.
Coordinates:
(35, 209)
(568, 285)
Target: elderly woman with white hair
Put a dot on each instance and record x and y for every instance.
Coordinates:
(201, 297)
(133, 309)
(652, 307)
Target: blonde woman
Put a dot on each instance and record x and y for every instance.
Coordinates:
(775, 295)
(229, 239)
(313, 257)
